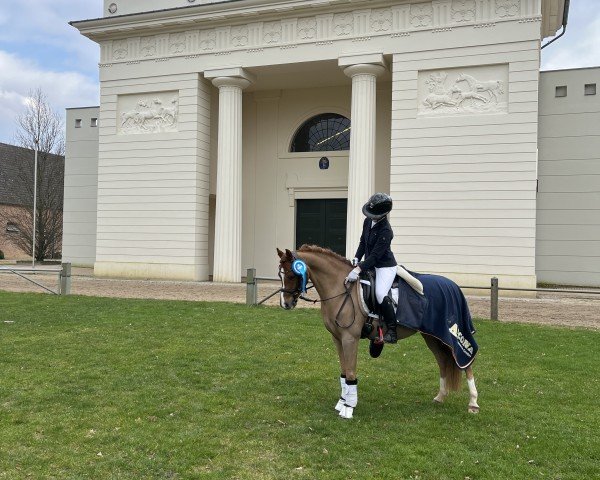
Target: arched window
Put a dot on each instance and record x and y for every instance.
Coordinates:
(324, 132)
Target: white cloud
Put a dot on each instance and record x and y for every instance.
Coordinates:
(26, 25)
(40, 49)
(18, 77)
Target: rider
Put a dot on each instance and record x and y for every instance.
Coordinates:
(375, 244)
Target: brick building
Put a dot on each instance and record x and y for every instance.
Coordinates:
(16, 191)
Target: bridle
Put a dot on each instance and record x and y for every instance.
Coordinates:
(300, 269)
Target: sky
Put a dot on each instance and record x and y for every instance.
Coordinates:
(38, 48)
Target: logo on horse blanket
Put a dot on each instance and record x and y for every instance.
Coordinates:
(463, 342)
(441, 312)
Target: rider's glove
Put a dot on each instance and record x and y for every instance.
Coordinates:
(354, 262)
(353, 275)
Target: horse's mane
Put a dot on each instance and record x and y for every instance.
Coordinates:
(324, 251)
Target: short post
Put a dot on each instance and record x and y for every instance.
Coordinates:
(494, 299)
(65, 279)
(251, 287)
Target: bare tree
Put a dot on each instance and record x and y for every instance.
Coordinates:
(39, 126)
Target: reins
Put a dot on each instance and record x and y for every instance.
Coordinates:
(347, 294)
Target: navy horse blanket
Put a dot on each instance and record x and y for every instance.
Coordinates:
(441, 312)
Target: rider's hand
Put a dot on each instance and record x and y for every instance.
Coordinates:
(354, 262)
(353, 275)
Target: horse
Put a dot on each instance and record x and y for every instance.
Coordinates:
(493, 87)
(167, 114)
(435, 100)
(344, 317)
(139, 115)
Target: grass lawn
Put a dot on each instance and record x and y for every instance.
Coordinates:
(136, 389)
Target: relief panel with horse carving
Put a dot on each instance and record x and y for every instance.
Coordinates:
(463, 91)
(148, 113)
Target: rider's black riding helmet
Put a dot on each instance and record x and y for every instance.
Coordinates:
(378, 206)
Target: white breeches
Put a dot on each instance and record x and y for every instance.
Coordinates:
(383, 281)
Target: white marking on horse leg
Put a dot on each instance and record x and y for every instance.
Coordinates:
(351, 395)
(342, 399)
(346, 412)
(351, 401)
(473, 406)
(441, 396)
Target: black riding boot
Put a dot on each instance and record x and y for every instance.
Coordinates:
(389, 317)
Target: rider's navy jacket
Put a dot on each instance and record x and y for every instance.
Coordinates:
(375, 245)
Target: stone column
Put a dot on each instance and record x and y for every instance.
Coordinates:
(227, 265)
(361, 172)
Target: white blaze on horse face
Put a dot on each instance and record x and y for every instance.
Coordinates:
(282, 303)
(281, 300)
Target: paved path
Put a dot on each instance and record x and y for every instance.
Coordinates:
(549, 309)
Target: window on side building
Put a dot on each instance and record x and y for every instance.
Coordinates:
(589, 89)
(561, 91)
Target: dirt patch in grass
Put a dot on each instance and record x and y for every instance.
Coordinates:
(548, 309)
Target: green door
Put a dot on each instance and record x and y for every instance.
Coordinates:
(322, 222)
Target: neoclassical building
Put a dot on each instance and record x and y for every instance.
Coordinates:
(229, 128)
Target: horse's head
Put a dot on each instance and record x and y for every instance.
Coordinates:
(291, 281)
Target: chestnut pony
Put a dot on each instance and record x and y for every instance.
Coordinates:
(344, 317)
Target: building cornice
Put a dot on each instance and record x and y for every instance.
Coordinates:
(213, 14)
(256, 25)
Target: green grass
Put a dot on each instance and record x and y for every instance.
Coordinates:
(135, 389)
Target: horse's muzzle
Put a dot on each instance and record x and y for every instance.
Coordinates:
(290, 305)
(287, 304)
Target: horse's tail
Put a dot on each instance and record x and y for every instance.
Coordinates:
(451, 372)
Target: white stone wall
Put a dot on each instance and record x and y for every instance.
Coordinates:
(81, 187)
(463, 173)
(568, 203)
(275, 178)
(153, 181)
(464, 177)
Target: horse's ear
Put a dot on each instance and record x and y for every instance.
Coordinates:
(280, 253)
(289, 254)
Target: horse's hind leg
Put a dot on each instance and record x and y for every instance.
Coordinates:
(434, 346)
(473, 406)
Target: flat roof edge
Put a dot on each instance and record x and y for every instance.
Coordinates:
(570, 69)
(81, 108)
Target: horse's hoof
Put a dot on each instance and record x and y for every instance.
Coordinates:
(375, 349)
(346, 412)
(439, 399)
(340, 404)
(473, 409)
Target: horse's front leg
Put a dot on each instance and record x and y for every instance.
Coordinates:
(342, 400)
(350, 348)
